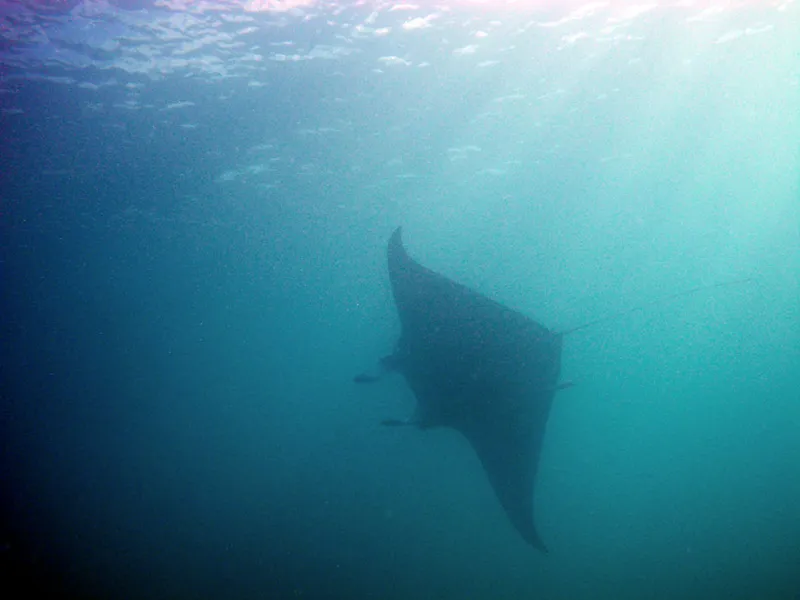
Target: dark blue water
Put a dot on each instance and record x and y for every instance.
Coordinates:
(195, 200)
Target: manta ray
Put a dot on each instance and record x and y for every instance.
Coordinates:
(479, 367)
(483, 369)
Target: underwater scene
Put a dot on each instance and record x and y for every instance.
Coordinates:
(424, 300)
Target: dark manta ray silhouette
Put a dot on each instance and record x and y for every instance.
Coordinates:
(481, 368)
(484, 369)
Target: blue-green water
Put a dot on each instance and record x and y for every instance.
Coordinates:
(196, 199)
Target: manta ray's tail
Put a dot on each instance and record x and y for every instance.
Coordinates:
(657, 302)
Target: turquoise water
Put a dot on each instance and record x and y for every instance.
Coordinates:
(196, 199)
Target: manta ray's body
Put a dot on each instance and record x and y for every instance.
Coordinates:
(481, 368)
